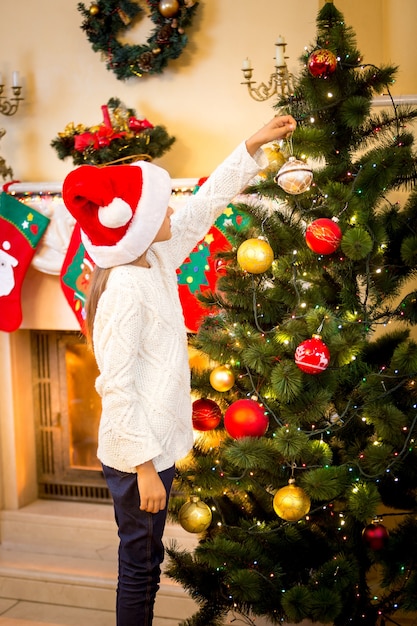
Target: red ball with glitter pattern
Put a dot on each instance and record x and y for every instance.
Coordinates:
(321, 63)
(323, 236)
(206, 414)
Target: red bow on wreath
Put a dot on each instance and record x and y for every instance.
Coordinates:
(101, 138)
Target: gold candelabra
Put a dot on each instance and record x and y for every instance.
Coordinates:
(280, 82)
(11, 105)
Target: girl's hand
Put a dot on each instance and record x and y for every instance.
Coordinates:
(280, 127)
(153, 497)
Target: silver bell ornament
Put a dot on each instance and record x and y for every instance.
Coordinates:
(295, 176)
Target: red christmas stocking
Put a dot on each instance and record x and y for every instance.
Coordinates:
(21, 229)
(75, 276)
(201, 269)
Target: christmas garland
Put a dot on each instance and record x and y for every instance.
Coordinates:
(120, 138)
(105, 20)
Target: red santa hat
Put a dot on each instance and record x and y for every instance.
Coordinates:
(119, 208)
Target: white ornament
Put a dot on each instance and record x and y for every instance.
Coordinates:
(295, 176)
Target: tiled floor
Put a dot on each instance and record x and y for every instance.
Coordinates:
(22, 613)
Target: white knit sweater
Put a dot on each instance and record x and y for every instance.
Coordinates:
(140, 339)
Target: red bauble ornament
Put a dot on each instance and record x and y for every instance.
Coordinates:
(245, 418)
(375, 535)
(321, 63)
(323, 236)
(206, 414)
(312, 356)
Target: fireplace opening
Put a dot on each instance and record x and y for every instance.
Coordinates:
(67, 413)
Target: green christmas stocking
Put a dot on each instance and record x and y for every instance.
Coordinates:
(75, 276)
(21, 229)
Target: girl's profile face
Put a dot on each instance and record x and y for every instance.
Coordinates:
(164, 233)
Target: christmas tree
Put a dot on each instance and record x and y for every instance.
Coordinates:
(303, 479)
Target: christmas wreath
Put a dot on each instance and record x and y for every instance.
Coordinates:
(120, 138)
(105, 20)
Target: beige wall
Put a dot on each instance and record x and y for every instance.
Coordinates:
(199, 98)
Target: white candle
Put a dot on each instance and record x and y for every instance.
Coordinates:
(1, 78)
(280, 39)
(246, 64)
(16, 79)
(279, 56)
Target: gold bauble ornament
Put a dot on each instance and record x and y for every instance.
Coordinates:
(255, 256)
(195, 516)
(295, 176)
(168, 8)
(94, 9)
(291, 503)
(222, 378)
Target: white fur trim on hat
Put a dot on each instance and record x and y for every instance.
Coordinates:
(115, 214)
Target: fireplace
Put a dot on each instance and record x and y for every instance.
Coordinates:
(67, 413)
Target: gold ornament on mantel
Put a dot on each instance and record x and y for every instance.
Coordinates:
(94, 9)
(294, 176)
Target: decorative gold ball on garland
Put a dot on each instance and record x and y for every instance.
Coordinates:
(168, 8)
(291, 503)
(195, 516)
(105, 20)
(94, 9)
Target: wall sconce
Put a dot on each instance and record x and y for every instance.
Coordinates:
(280, 82)
(9, 107)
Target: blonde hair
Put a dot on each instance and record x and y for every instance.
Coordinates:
(96, 287)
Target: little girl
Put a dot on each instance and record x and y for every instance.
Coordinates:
(136, 327)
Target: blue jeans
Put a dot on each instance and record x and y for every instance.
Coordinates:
(141, 550)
